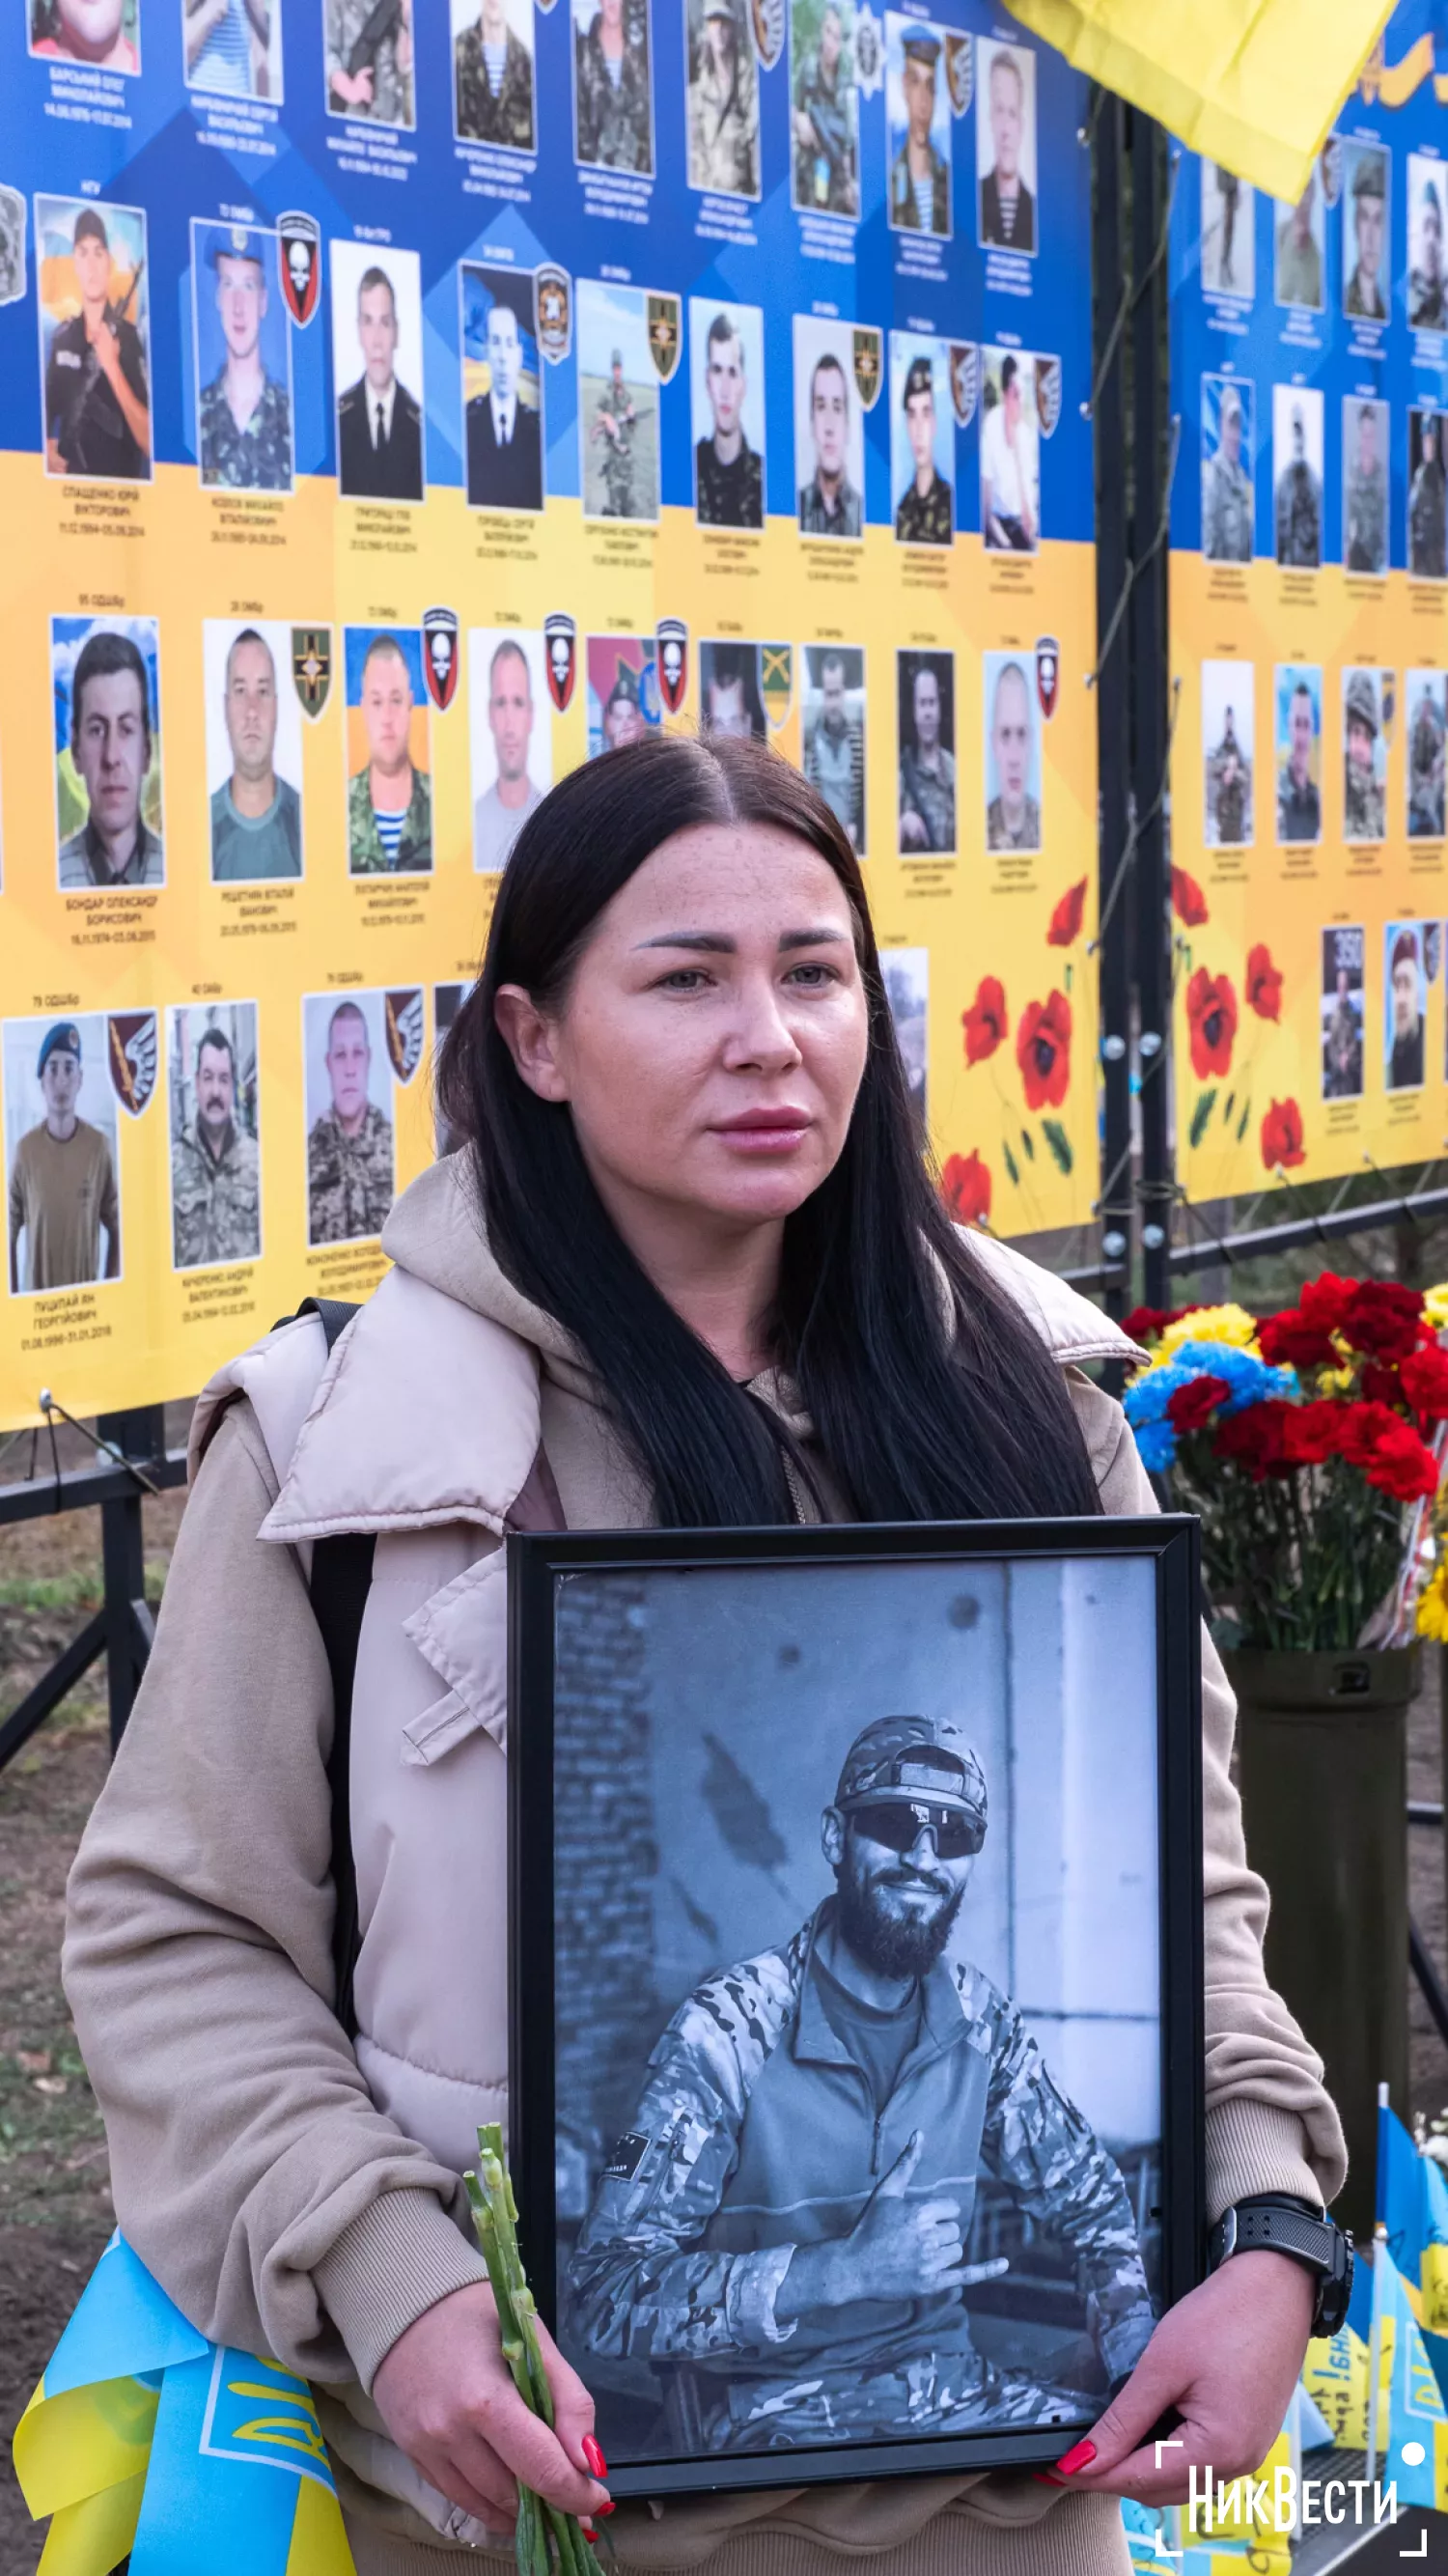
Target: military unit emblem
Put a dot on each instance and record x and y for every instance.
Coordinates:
(869, 52)
(776, 682)
(404, 1031)
(665, 334)
(1048, 394)
(312, 667)
(959, 72)
(133, 1053)
(553, 312)
(300, 237)
(560, 642)
(1048, 674)
(766, 17)
(440, 657)
(673, 643)
(964, 380)
(869, 367)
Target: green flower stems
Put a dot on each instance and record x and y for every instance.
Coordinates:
(495, 2220)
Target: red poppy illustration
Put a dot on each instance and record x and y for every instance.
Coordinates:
(985, 1021)
(1282, 1136)
(1212, 1020)
(1188, 900)
(1066, 920)
(1264, 983)
(1043, 1051)
(965, 1187)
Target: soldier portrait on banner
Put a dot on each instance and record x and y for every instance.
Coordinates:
(212, 1098)
(1426, 732)
(1007, 208)
(106, 695)
(1342, 1012)
(726, 361)
(824, 108)
(351, 1175)
(829, 430)
(1409, 965)
(101, 35)
(389, 764)
(1012, 753)
(1297, 476)
(493, 74)
(1299, 257)
(1427, 496)
(613, 118)
(370, 61)
(925, 717)
(834, 733)
(510, 729)
(795, 2197)
(622, 699)
(62, 1158)
(1010, 452)
(502, 388)
(234, 47)
(619, 393)
(1364, 484)
(918, 125)
(1363, 213)
(1227, 754)
(722, 104)
(1228, 451)
(95, 331)
(922, 440)
(729, 693)
(1365, 723)
(243, 360)
(1297, 693)
(1427, 271)
(253, 751)
(377, 371)
(1227, 240)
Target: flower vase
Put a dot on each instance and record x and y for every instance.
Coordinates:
(1322, 1751)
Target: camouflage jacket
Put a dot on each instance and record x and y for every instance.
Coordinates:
(825, 175)
(1226, 512)
(613, 125)
(926, 519)
(1427, 535)
(350, 1179)
(757, 2132)
(904, 208)
(366, 856)
(1364, 807)
(1299, 518)
(257, 458)
(1366, 549)
(1229, 789)
(481, 118)
(724, 130)
(998, 832)
(930, 793)
(215, 1200)
(392, 92)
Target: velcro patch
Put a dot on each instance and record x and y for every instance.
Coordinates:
(627, 2156)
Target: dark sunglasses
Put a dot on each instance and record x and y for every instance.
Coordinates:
(896, 1823)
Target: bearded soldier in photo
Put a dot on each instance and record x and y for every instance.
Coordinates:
(350, 1178)
(786, 2218)
(215, 1169)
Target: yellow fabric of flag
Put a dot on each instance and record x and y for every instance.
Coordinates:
(1252, 84)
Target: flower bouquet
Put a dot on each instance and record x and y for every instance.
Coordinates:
(1310, 1443)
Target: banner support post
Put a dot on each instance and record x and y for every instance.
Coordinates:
(139, 1434)
(1150, 694)
(1116, 1207)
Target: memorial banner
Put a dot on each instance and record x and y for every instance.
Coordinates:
(1309, 624)
(399, 405)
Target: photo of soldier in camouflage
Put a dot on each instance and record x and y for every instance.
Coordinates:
(922, 440)
(1365, 485)
(211, 1060)
(1427, 284)
(1342, 1013)
(1365, 756)
(1297, 475)
(613, 118)
(1427, 722)
(841, 2156)
(243, 361)
(1012, 753)
(723, 99)
(1427, 504)
(825, 109)
(389, 786)
(926, 699)
(369, 61)
(493, 74)
(1227, 720)
(618, 404)
(350, 1165)
(917, 128)
(1227, 451)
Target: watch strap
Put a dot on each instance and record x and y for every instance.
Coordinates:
(1277, 2226)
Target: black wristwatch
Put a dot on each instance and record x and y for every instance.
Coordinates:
(1274, 2222)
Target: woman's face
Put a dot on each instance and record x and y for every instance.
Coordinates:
(714, 1035)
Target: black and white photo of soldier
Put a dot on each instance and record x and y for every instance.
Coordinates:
(612, 104)
(832, 2302)
(723, 99)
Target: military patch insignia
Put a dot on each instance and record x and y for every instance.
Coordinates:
(560, 639)
(627, 2156)
(665, 339)
(964, 379)
(776, 682)
(1048, 674)
(869, 370)
(766, 19)
(673, 643)
(1331, 165)
(404, 1031)
(300, 238)
(312, 667)
(869, 52)
(133, 1052)
(440, 656)
(553, 310)
(1048, 394)
(12, 245)
(959, 72)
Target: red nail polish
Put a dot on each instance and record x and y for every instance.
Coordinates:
(588, 2531)
(602, 2509)
(1046, 2478)
(593, 2454)
(1079, 2458)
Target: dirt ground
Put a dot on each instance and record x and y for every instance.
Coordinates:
(55, 2210)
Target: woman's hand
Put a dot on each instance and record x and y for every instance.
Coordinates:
(1226, 2358)
(447, 2398)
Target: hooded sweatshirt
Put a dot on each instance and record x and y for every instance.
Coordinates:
(299, 2195)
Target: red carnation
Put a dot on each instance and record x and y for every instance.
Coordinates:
(1145, 1322)
(1382, 1318)
(1312, 1433)
(1067, 917)
(1364, 1427)
(1212, 1020)
(1264, 983)
(1402, 1465)
(1188, 899)
(1282, 1146)
(965, 1188)
(1301, 1335)
(1043, 1051)
(1192, 1406)
(1255, 1439)
(985, 1021)
(1424, 1379)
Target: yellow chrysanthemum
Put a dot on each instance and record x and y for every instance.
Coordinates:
(1208, 1324)
(1433, 1605)
(1435, 1307)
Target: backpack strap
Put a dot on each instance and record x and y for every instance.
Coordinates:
(341, 1580)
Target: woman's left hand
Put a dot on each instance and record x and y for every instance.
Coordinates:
(1226, 2359)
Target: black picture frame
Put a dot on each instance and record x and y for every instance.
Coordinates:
(541, 1568)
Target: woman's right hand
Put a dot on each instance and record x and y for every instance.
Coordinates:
(447, 2398)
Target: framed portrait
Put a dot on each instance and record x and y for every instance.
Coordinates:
(501, 115)
(510, 728)
(726, 398)
(1426, 719)
(833, 727)
(93, 303)
(105, 677)
(917, 128)
(619, 391)
(922, 440)
(389, 760)
(622, 701)
(857, 2054)
(1007, 206)
(613, 106)
(377, 372)
(64, 1087)
(212, 1100)
(1342, 1012)
(1228, 702)
(348, 1069)
(243, 357)
(824, 109)
(253, 750)
(1228, 246)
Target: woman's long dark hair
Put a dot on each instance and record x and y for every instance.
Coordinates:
(931, 1396)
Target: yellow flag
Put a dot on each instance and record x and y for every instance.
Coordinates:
(1253, 84)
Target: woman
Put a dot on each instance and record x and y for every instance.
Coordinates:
(688, 1269)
